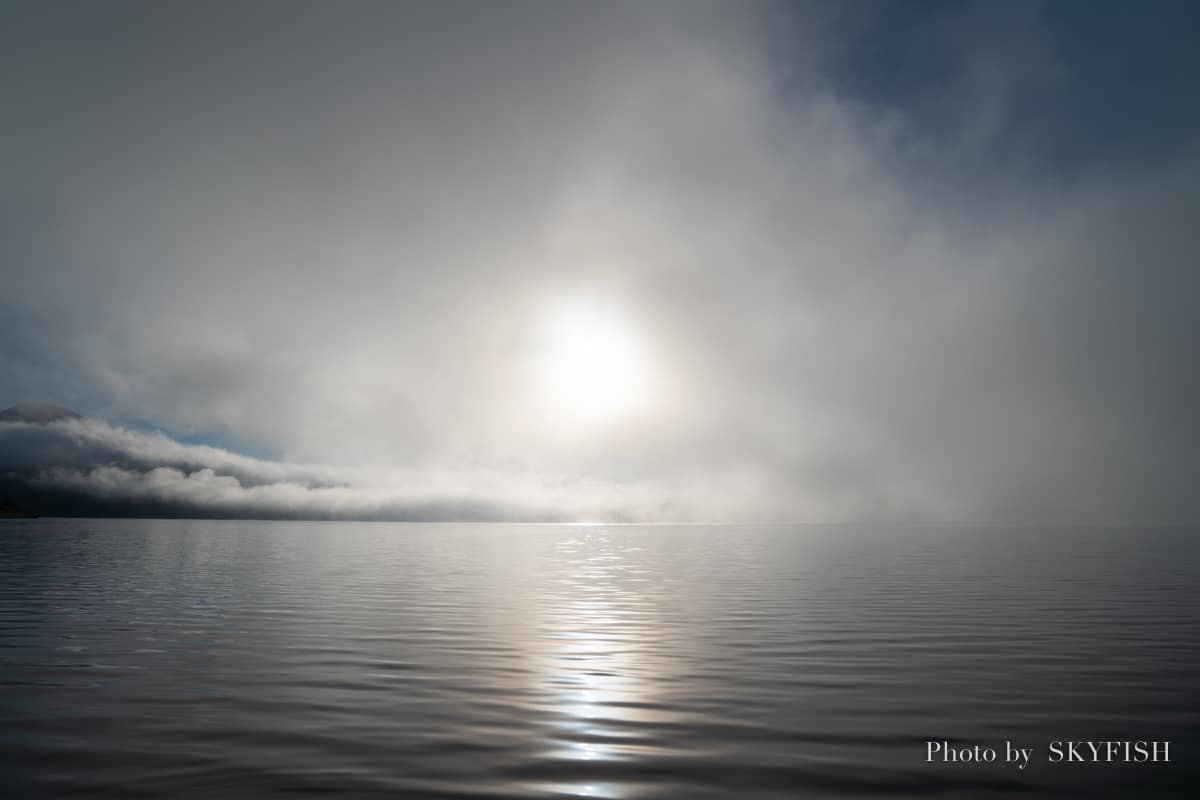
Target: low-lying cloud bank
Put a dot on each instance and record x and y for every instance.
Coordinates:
(87, 467)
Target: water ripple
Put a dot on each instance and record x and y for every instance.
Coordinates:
(188, 659)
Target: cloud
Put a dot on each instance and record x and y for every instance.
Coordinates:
(88, 466)
(871, 289)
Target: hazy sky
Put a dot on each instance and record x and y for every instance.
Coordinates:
(809, 261)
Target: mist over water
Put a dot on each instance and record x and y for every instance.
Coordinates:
(205, 659)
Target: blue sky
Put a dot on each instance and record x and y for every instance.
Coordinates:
(1092, 85)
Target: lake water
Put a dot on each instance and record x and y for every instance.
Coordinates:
(251, 659)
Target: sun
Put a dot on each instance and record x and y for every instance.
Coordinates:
(592, 364)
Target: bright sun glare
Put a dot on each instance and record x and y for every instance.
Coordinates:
(592, 365)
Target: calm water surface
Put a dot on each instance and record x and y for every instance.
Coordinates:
(251, 659)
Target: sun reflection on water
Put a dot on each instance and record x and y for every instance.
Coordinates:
(595, 669)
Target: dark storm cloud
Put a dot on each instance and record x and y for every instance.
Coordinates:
(883, 267)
